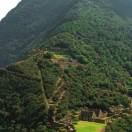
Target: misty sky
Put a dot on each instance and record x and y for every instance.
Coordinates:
(6, 6)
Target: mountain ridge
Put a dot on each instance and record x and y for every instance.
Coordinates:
(32, 29)
(26, 32)
(76, 59)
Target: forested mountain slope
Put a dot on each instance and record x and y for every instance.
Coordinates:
(26, 23)
(78, 54)
(44, 87)
(33, 20)
(94, 32)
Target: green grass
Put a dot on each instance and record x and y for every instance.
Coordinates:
(83, 126)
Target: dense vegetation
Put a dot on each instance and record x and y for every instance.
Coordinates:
(29, 88)
(30, 21)
(122, 125)
(81, 57)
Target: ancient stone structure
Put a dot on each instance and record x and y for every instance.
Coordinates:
(96, 115)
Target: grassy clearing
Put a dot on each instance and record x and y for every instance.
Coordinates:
(83, 126)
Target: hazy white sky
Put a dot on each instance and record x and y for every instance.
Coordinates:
(6, 6)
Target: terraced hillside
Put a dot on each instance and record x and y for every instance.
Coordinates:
(72, 54)
(46, 83)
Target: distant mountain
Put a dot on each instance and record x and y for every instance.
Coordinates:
(72, 54)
